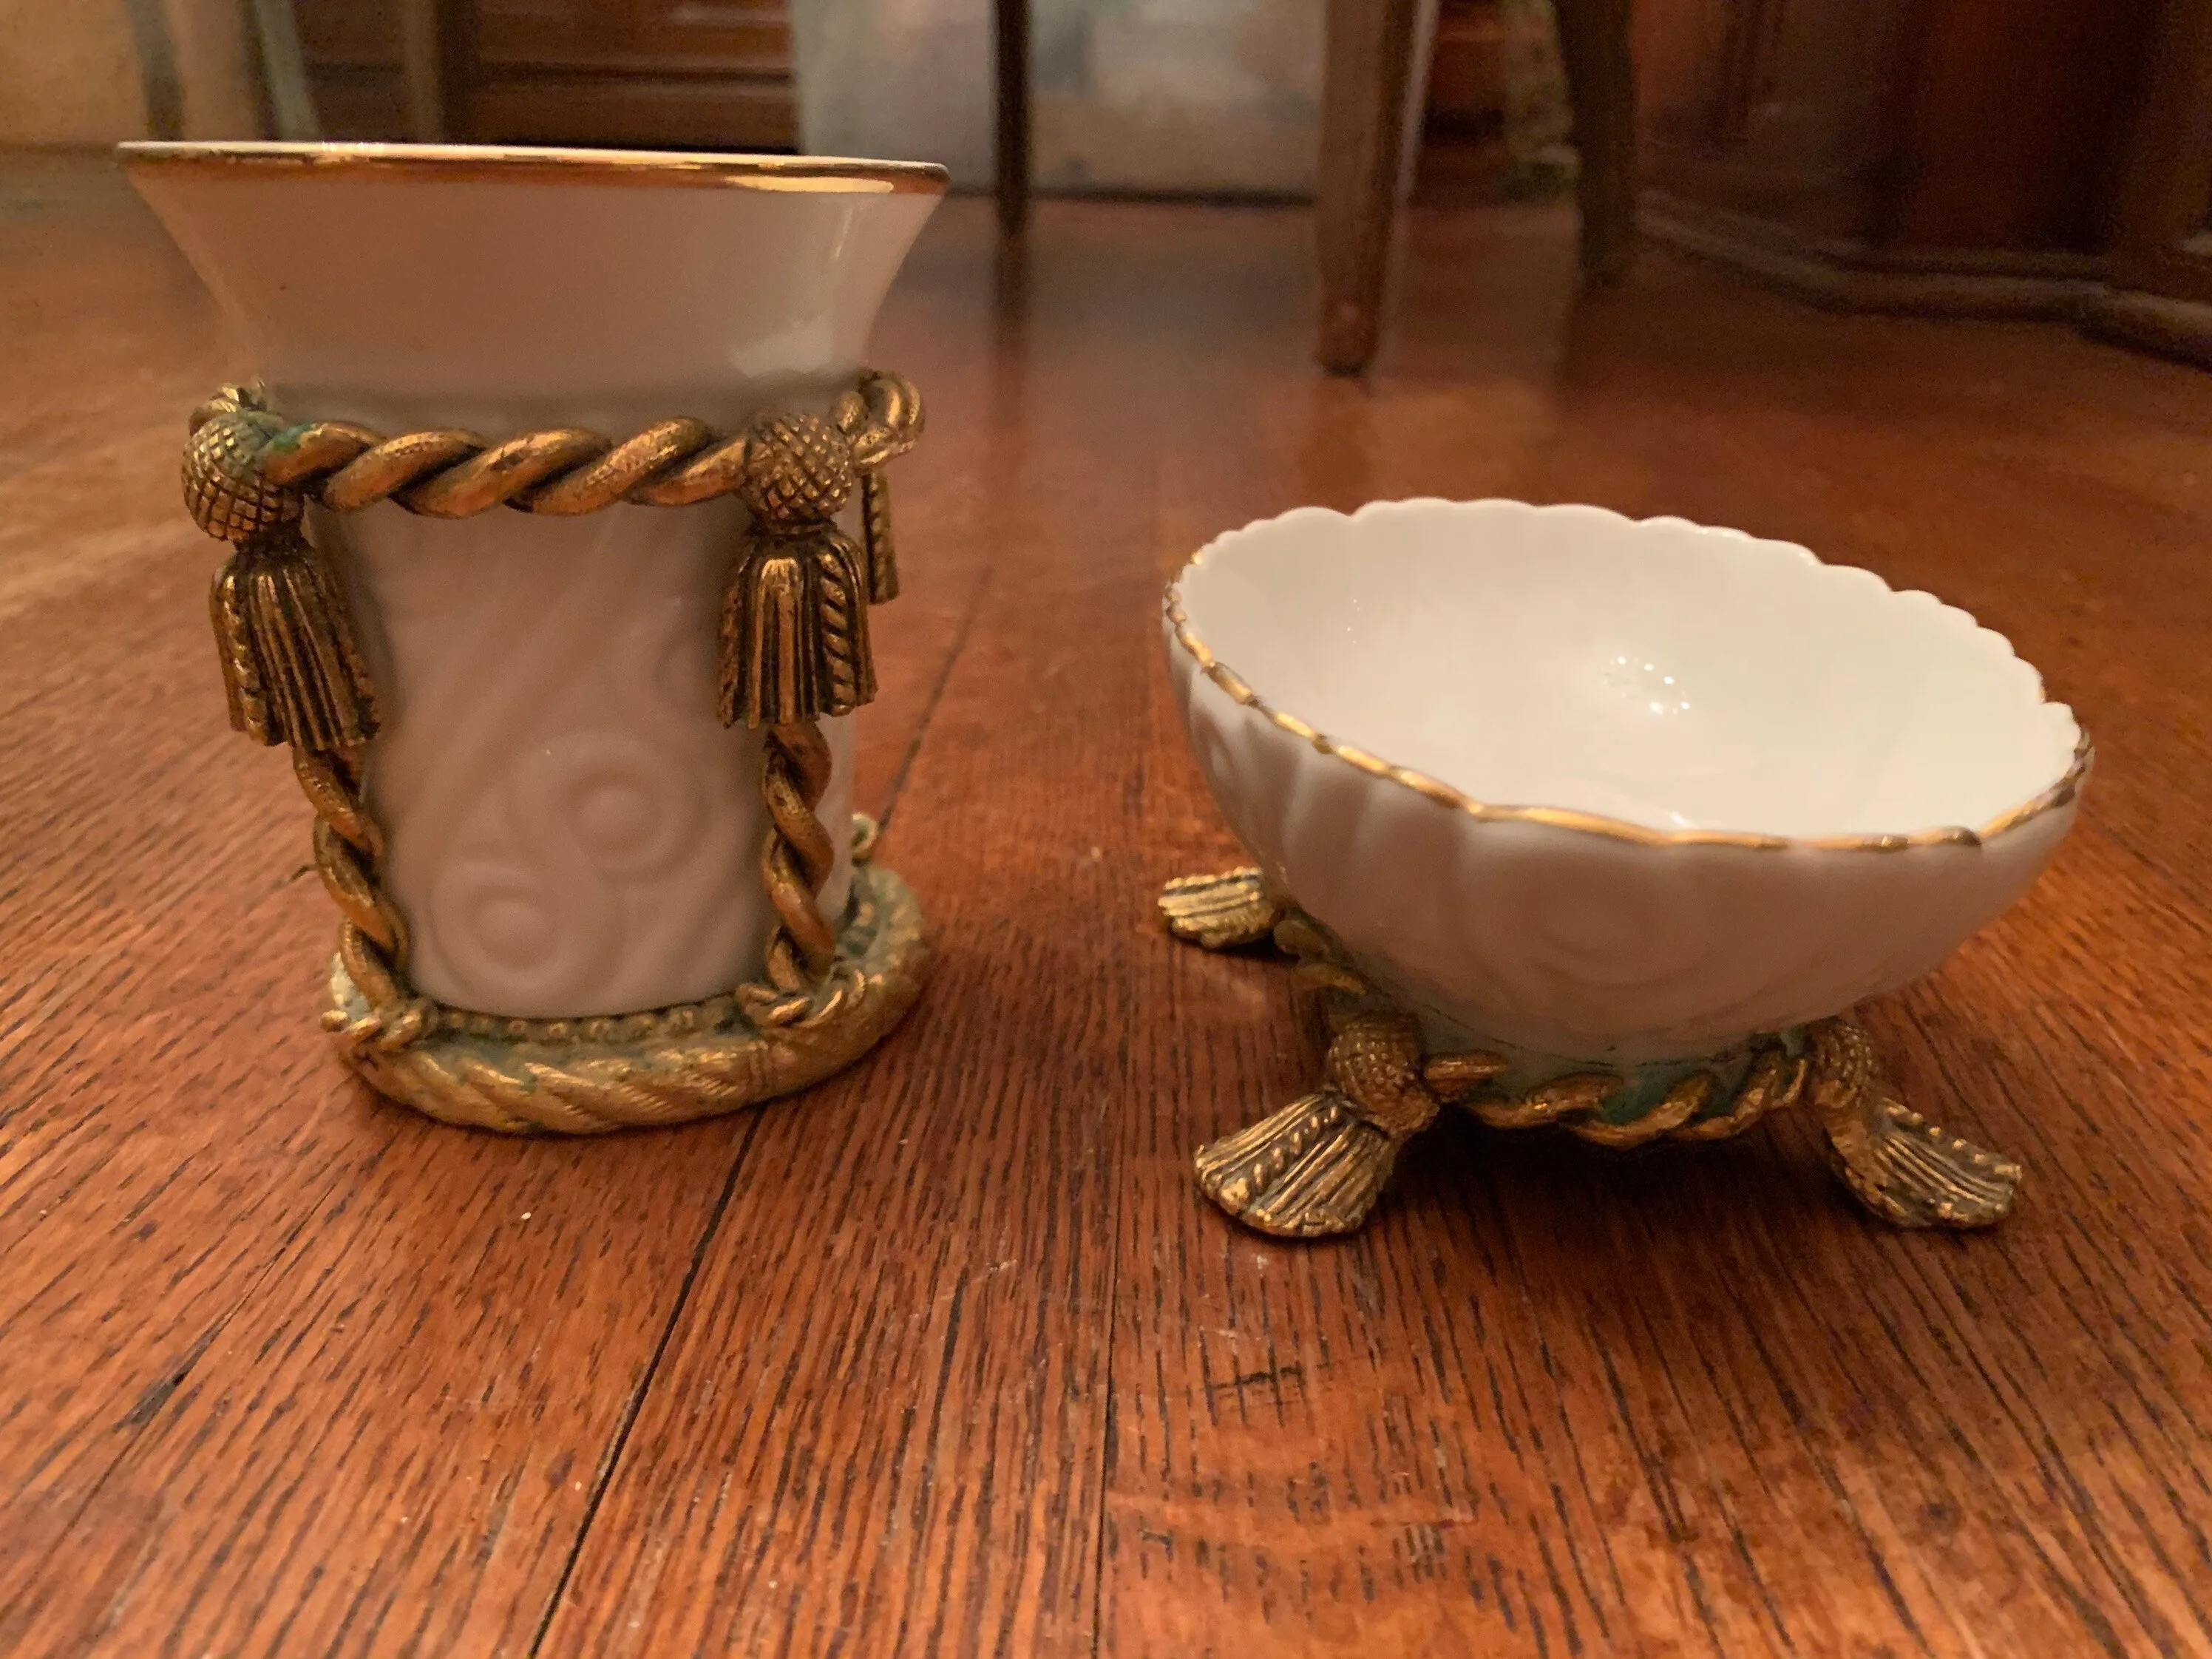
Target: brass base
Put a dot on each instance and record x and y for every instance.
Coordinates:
(1316, 1167)
(670, 1065)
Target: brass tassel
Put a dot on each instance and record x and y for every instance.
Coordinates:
(770, 667)
(1317, 1166)
(1313, 1168)
(795, 630)
(876, 526)
(290, 666)
(291, 670)
(795, 621)
(842, 612)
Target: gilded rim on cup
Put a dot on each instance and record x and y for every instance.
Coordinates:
(530, 164)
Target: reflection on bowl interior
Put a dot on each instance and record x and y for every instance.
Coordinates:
(1675, 676)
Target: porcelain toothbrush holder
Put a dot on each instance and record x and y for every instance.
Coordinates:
(555, 523)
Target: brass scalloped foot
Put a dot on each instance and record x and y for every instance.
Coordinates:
(1220, 912)
(1317, 1166)
(1314, 1169)
(1896, 1163)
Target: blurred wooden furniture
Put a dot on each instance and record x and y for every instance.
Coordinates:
(1010, 30)
(2038, 158)
(1469, 153)
(274, 29)
(691, 74)
(1463, 111)
(949, 1358)
(682, 73)
(2160, 293)
(1371, 58)
(1366, 70)
(161, 81)
(1593, 49)
(433, 43)
(1944, 156)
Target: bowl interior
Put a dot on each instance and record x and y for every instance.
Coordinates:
(1673, 676)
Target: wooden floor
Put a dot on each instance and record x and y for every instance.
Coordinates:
(949, 1358)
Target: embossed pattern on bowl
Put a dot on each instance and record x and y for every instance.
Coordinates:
(1610, 790)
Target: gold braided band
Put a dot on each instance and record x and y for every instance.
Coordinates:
(794, 649)
(1317, 1166)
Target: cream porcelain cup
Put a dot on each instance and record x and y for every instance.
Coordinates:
(570, 829)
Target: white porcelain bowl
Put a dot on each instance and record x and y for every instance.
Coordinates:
(1605, 792)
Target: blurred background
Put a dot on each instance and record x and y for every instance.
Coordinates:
(2013, 157)
(1205, 97)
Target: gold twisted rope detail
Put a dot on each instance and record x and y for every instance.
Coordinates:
(450, 472)
(372, 937)
(799, 857)
(668, 1065)
(1317, 1166)
(1401, 1093)
(794, 636)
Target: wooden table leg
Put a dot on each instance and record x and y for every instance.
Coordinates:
(158, 76)
(1012, 19)
(1594, 50)
(423, 73)
(1363, 127)
(284, 71)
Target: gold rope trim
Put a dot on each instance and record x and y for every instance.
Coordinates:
(798, 856)
(794, 638)
(1574, 1103)
(1236, 909)
(373, 939)
(670, 1065)
(1316, 1167)
(453, 473)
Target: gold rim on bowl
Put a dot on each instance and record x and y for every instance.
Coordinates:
(527, 164)
(1595, 823)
